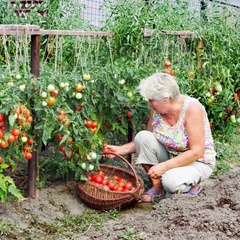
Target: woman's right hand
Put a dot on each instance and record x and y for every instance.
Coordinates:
(111, 149)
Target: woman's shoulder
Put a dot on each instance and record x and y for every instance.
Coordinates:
(193, 105)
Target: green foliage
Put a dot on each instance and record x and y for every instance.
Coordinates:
(115, 65)
(7, 185)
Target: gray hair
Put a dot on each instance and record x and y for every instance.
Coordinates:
(159, 86)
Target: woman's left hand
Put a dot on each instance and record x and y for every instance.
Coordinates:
(157, 170)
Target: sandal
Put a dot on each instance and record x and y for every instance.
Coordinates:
(154, 195)
(195, 192)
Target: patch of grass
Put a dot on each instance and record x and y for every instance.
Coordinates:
(228, 154)
(131, 233)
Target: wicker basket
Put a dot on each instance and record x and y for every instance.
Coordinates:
(101, 199)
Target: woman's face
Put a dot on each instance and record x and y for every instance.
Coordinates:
(159, 106)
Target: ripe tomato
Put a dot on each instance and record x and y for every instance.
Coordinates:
(1, 133)
(93, 130)
(88, 123)
(30, 141)
(29, 119)
(67, 123)
(59, 137)
(129, 115)
(104, 144)
(111, 184)
(53, 94)
(70, 141)
(51, 101)
(97, 178)
(62, 149)
(106, 187)
(94, 124)
(28, 155)
(100, 172)
(15, 131)
(79, 87)
(1, 117)
(128, 185)
(0, 160)
(4, 144)
(11, 138)
(167, 64)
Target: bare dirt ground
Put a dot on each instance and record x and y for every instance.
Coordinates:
(213, 214)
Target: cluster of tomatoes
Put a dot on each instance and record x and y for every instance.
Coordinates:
(92, 125)
(23, 117)
(5, 137)
(62, 148)
(63, 117)
(112, 183)
(168, 70)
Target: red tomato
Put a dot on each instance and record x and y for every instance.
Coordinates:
(0, 160)
(167, 64)
(111, 184)
(59, 137)
(1, 117)
(97, 178)
(88, 123)
(30, 141)
(28, 155)
(93, 130)
(15, 131)
(129, 115)
(11, 138)
(106, 187)
(101, 173)
(119, 188)
(1, 134)
(128, 185)
(94, 124)
(4, 144)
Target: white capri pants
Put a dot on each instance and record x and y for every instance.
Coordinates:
(150, 151)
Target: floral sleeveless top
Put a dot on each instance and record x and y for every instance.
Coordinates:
(175, 138)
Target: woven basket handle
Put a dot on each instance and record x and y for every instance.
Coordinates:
(127, 162)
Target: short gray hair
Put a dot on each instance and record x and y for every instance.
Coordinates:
(159, 86)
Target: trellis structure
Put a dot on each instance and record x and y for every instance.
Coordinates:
(35, 32)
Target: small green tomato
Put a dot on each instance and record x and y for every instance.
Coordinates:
(78, 95)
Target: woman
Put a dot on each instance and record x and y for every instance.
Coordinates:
(176, 149)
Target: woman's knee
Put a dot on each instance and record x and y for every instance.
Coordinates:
(170, 184)
(143, 137)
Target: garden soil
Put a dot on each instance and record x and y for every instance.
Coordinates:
(213, 214)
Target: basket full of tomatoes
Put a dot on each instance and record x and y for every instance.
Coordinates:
(111, 187)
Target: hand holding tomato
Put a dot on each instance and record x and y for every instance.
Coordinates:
(111, 149)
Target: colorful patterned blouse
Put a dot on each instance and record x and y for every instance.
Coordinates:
(175, 137)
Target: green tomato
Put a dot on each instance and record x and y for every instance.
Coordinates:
(78, 95)
(18, 76)
(91, 167)
(22, 88)
(93, 155)
(24, 139)
(86, 77)
(130, 94)
(84, 166)
(51, 88)
(233, 118)
(44, 94)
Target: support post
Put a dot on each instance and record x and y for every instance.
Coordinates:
(35, 69)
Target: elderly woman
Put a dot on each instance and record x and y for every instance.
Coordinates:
(176, 149)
